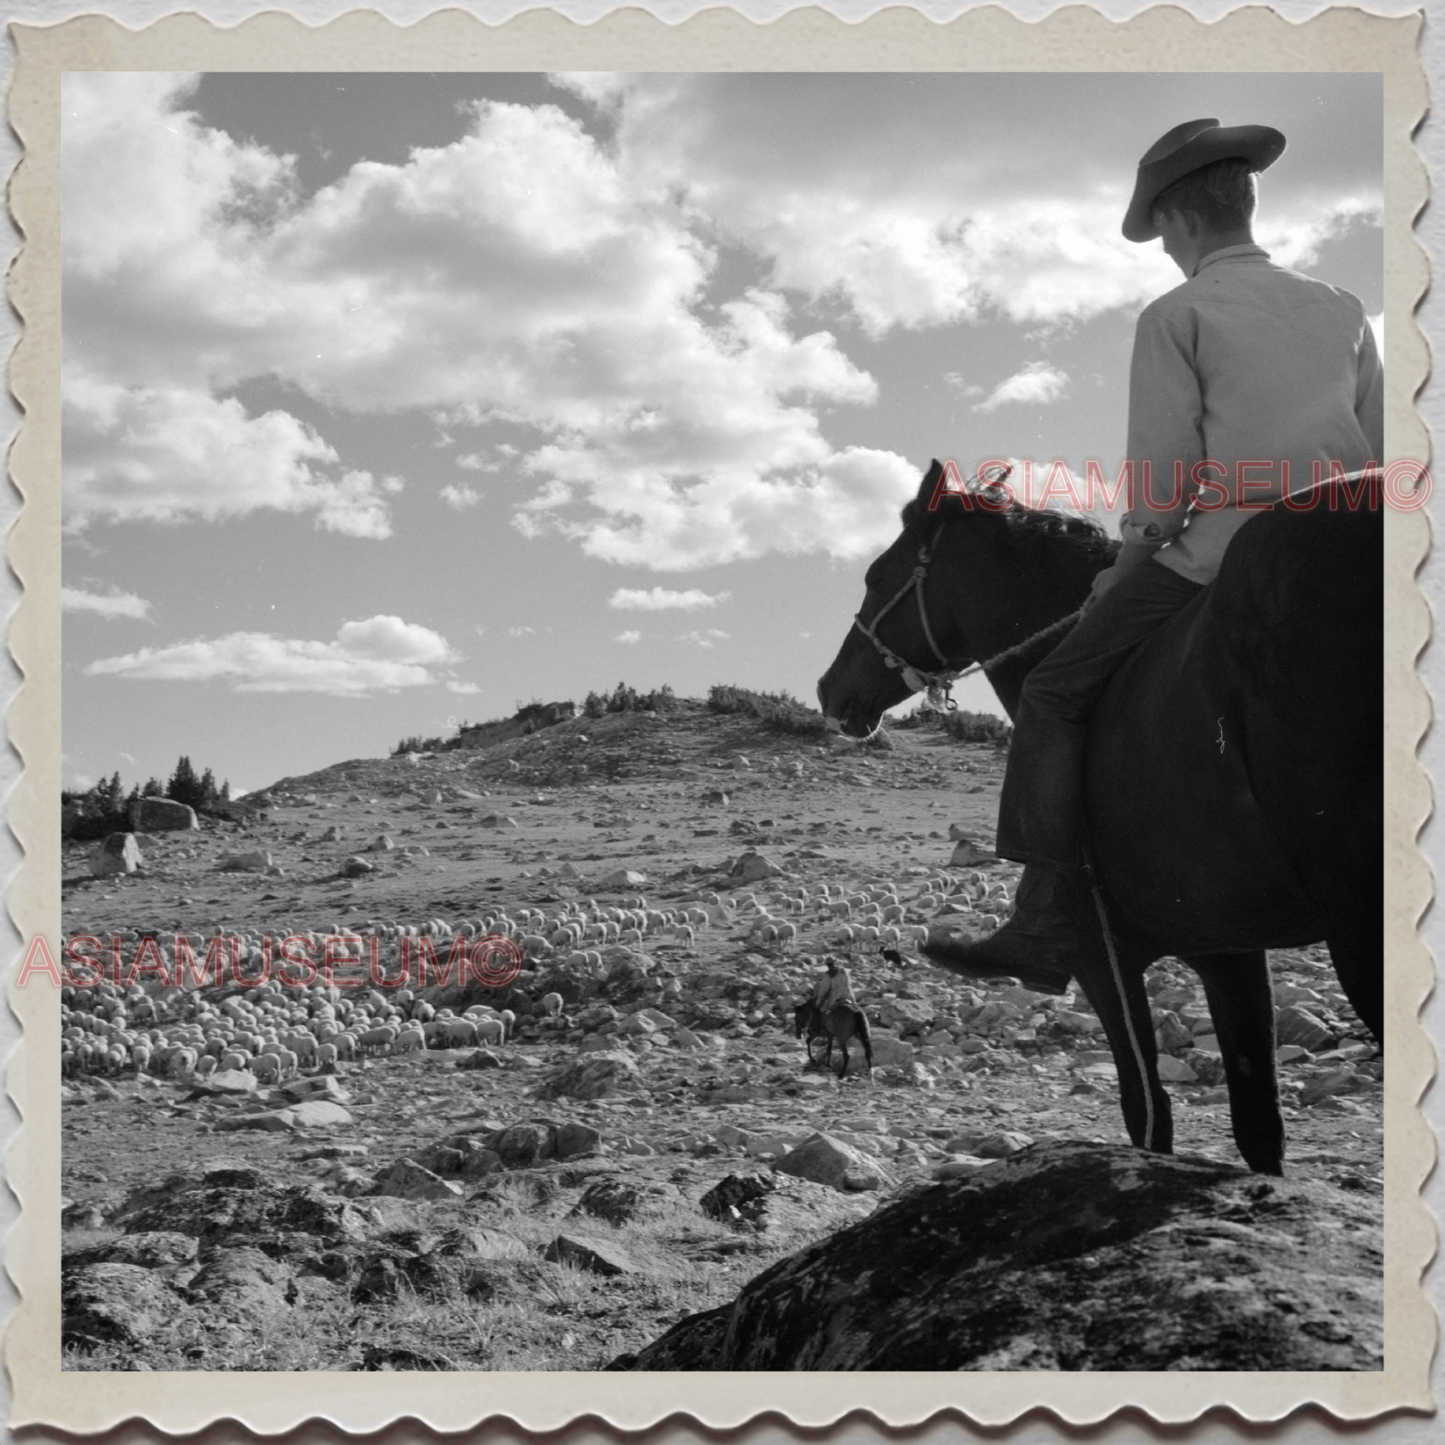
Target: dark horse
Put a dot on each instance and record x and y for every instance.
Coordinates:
(842, 1022)
(1235, 788)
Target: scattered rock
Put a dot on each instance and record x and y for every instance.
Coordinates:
(408, 1180)
(595, 1076)
(622, 878)
(739, 1199)
(1297, 1025)
(826, 1160)
(967, 853)
(226, 1081)
(752, 867)
(602, 1257)
(242, 1283)
(122, 1304)
(257, 862)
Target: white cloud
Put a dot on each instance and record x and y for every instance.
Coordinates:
(173, 453)
(532, 276)
(377, 654)
(705, 637)
(521, 631)
(1294, 238)
(472, 462)
(955, 383)
(628, 637)
(1036, 384)
(460, 498)
(659, 599)
(517, 275)
(108, 605)
(466, 689)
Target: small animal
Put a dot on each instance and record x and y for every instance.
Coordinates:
(892, 955)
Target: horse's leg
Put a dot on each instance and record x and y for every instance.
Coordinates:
(1356, 941)
(1114, 984)
(1241, 1003)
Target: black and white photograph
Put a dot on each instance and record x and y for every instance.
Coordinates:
(723, 721)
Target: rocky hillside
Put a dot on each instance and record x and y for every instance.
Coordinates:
(640, 1149)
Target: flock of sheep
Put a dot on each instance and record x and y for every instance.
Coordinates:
(275, 1030)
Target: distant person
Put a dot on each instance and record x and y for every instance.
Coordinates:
(833, 986)
(1246, 380)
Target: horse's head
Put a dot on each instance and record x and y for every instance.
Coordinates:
(972, 574)
(909, 630)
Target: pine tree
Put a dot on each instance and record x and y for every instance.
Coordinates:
(185, 786)
(109, 795)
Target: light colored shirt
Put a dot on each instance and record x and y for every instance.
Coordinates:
(833, 989)
(1256, 368)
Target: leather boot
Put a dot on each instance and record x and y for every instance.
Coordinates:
(1041, 807)
(1040, 824)
(1039, 945)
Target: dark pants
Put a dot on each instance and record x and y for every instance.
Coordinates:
(1041, 811)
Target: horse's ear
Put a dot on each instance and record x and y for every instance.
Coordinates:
(930, 482)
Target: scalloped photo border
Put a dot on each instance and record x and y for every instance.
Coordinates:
(1076, 38)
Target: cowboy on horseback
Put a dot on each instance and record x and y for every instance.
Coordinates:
(833, 1013)
(833, 986)
(1247, 381)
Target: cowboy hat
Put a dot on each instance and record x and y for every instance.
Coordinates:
(1187, 147)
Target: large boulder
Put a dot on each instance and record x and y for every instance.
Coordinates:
(119, 853)
(162, 815)
(1067, 1257)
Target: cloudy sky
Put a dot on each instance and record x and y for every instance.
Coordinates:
(393, 401)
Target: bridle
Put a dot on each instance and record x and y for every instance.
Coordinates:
(938, 682)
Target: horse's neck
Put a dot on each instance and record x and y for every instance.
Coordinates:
(1054, 583)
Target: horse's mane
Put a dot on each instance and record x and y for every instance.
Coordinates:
(1029, 525)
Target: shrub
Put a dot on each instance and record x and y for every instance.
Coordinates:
(779, 711)
(418, 744)
(623, 698)
(977, 727)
